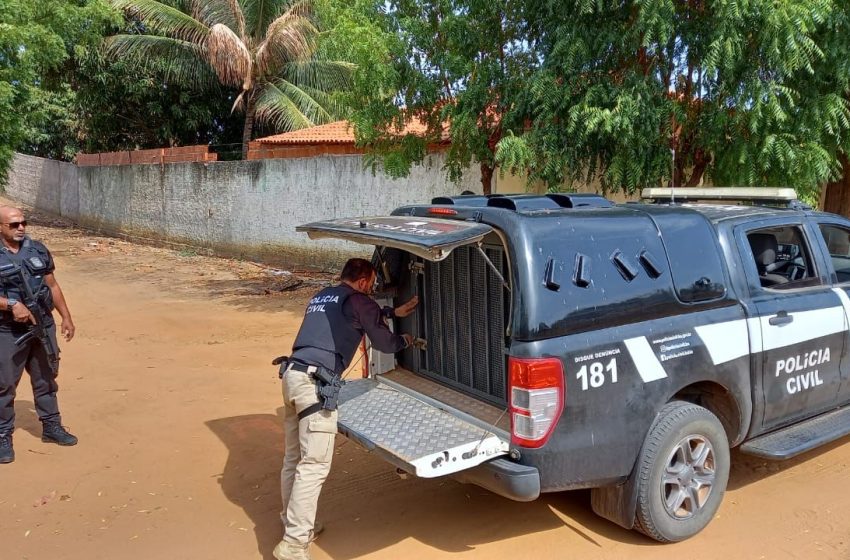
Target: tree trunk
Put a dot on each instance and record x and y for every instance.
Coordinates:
(486, 178)
(701, 161)
(837, 199)
(248, 129)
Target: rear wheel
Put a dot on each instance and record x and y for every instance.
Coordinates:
(682, 472)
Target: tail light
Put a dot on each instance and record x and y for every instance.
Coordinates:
(537, 395)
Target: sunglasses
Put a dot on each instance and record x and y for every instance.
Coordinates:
(16, 225)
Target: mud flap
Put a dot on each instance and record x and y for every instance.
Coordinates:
(415, 435)
(616, 503)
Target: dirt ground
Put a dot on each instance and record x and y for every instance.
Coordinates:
(169, 387)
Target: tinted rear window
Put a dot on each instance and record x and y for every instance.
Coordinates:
(694, 255)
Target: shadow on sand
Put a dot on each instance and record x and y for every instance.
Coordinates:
(26, 418)
(251, 475)
(366, 507)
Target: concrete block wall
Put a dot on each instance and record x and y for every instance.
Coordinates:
(45, 184)
(244, 208)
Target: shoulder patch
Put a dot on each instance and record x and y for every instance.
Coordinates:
(37, 262)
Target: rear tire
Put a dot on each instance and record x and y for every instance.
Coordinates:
(682, 472)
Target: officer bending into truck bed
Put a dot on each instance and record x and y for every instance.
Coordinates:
(28, 336)
(334, 323)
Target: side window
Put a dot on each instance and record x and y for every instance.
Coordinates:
(838, 242)
(782, 258)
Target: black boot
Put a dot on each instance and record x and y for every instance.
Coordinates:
(7, 454)
(53, 432)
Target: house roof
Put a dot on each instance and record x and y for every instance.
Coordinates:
(339, 132)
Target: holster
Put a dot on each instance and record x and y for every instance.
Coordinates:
(328, 385)
(283, 362)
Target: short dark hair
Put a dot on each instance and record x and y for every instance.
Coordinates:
(356, 269)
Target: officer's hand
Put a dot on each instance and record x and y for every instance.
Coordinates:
(408, 339)
(22, 314)
(68, 329)
(407, 308)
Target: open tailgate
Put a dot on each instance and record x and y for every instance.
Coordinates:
(413, 432)
(429, 238)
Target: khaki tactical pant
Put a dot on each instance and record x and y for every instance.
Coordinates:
(307, 460)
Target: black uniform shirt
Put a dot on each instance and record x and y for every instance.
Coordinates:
(361, 314)
(38, 261)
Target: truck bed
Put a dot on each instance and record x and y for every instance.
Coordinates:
(421, 426)
(452, 397)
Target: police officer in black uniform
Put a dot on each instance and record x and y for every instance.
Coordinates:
(16, 321)
(334, 323)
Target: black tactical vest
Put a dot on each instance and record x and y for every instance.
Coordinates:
(325, 326)
(36, 260)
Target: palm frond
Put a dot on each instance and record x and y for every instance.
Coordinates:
(229, 57)
(287, 107)
(211, 12)
(236, 10)
(289, 38)
(333, 104)
(259, 14)
(239, 103)
(163, 19)
(322, 75)
(180, 62)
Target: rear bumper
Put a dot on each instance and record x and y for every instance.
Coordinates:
(516, 482)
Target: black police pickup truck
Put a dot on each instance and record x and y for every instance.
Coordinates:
(572, 343)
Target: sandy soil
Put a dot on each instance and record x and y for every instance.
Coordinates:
(169, 388)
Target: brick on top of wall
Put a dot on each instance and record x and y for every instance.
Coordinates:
(146, 156)
(260, 150)
(88, 159)
(180, 158)
(187, 150)
(153, 156)
(264, 150)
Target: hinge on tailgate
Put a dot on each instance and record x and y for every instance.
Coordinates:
(476, 217)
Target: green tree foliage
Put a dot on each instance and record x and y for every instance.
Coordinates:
(264, 49)
(830, 78)
(453, 66)
(747, 92)
(117, 107)
(75, 99)
(744, 91)
(49, 127)
(37, 41)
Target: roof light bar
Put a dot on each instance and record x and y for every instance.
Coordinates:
(761, 194)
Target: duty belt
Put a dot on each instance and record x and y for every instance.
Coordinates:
(302, 368)
(327, 384)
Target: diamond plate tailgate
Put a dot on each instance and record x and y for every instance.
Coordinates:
(413, 433)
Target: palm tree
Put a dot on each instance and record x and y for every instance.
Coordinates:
(265, 48)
